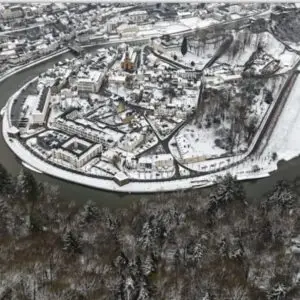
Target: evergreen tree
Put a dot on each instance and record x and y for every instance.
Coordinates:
(26, 186)
(228, 189)
(71, 243)
(5, 180)
(184, 46)
(34, 223)
(91, 212)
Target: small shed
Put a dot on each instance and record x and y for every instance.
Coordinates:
(121, 178)
(13, 131)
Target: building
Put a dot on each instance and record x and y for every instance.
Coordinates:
(6, 54)
(159, 162)
(12, 12)
(127, 30)
(131, 141)
(39, 114)
(89, 82)
(13, 132)
(110, 26)
(77, 152)
(168, 13)
(105, 136)
(128, 62)
(166, 43)
(138, 16)
(121, 178)
(187, 74)
(184, 14)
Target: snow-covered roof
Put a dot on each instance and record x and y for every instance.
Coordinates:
(120, 176)
(13, 130)
(137, 13)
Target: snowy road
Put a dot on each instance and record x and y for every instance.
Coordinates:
(285, 137)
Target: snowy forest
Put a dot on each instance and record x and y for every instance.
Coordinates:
(208, 244)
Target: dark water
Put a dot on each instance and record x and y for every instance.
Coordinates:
(79, 194)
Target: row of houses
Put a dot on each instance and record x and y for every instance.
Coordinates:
(106, 136)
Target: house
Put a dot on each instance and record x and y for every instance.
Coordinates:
(165, 43)
(184, 14)
(39, 114)
(127, 29)
(105, 136)
(138, 16)
(78, 154)
(121, 178)
(90, 81)
(12, 12)
(159, 162)
(115, 78)
(131, 141)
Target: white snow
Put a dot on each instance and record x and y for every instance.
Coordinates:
(199, 60)
(285, 137)
(198, 142)
(108, 184)
(270, 45)
(31, 168)
(196, 22)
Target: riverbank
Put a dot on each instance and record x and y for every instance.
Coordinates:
(108, 184)
(73, 188)
(243, 171)
(32, 64)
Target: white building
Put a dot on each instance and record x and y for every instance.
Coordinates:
(162, 45)
(138, 16)
(184, 14)
(128, 29)
(5, 54)
(110, 26)
(121, 178)
(187, 156)
(77, 160)
(12, 12)
(117, 78)
(159, 162)
(105, 136)
(131, 141)
(39, 114)
(90, 82)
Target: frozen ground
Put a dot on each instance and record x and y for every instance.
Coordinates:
(193, 141)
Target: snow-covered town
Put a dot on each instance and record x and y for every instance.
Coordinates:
(169, 97)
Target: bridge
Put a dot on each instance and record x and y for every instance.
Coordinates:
(76, 49)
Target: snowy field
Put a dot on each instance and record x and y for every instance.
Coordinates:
(193, 141)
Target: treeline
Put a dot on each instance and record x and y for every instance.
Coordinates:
(206, 244)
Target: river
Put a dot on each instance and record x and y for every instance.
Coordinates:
(72, 192)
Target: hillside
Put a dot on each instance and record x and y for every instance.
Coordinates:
(209, 244)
